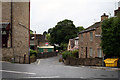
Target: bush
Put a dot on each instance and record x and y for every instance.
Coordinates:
(75, 53)
(65, 54)
(33, 52)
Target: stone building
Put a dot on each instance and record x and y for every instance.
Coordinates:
(89, 42)
(70, 45)
(90, 39)
(14, 28)
(73, 44)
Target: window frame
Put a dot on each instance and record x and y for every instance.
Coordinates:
(91, 36)
(81, 37)
(5, 32)
(91, 52)
(99, 52)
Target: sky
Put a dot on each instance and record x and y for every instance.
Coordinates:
(46, 13)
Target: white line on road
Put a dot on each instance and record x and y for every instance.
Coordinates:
(17, 72)
(71, 67)
(45, 77)
(38, 62)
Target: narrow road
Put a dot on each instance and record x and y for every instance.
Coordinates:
(52, 68)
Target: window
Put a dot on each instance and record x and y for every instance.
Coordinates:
(91, 52)
(91, 36)
(81, 50)
(5, 32)
(99, 52)
(81, 37)
(76, 42)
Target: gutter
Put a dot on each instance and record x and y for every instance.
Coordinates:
(11, 23)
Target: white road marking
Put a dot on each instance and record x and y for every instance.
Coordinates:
(38, 62)
(4, 61)
(45, 77)
(71, 67)
(17, 72)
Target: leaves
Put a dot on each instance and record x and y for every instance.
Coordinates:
(63, 31)
(111, 36)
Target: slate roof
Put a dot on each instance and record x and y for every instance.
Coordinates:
(91, 28)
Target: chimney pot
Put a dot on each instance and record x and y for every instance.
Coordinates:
(104, 16)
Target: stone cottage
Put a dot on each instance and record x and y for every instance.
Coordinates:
(70, 44)
(90, 39)
(73, 44)
(89, 42)
(15, 29)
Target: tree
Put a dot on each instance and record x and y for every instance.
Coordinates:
(50, 30)
(111, 37)
(80, 28)
(45, 32)
(63, 31)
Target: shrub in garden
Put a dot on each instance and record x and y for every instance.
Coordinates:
(33, 52)
(65, 54)
(75, 53)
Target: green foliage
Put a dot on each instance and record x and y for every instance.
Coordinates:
(33, 52)
(44, 33)
(31, 32)
(33, 56)
(62, 32)
(63, 46)
(80, 28)
(75, 53)
(50, 30)
(65, 54)
(111, 37)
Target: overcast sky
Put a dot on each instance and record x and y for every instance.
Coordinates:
(46, 13)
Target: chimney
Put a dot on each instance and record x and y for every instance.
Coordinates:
(104, 16)
(117, 12)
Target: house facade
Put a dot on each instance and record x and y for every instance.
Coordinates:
(73, 44)
(76, 43)
(90, 40)
(14, 27)
(70, 44)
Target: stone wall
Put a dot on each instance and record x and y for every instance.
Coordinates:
(20, 28)
(7, 54)
(46, 54)
(84, 61)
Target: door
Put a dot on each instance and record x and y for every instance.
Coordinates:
(86, 52)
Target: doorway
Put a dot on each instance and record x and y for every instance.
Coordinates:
(86, 52)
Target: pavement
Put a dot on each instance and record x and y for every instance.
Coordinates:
(51, 68)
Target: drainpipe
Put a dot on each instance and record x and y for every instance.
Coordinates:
(12, 30)
(35, 41)
(11, 21)
(29, 33)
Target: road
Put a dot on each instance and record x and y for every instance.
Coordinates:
(52, 68)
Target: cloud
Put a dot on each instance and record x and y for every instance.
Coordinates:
(46, 13)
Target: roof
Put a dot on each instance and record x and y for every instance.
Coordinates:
(91, 28)
(40, 37)
(4, 24)
(76, 38)
(46, 47)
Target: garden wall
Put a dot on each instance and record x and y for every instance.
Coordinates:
(46, 55)
(83, 61)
